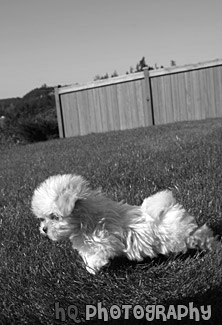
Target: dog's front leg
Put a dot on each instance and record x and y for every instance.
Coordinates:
(94, 261)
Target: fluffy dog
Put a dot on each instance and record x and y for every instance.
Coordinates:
(100, 228)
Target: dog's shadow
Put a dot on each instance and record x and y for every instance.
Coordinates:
(123, 263)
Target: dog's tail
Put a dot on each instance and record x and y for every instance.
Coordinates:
(166, 212)
(201, 238)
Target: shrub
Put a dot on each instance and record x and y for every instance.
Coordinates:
(38, 130)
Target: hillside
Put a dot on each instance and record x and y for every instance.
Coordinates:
(8, 103)
(30, 118)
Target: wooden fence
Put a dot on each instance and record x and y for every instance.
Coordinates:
(141, 99)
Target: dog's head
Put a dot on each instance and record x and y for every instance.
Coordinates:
(54, 201)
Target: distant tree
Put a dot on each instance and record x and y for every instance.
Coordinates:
(156, 67)
(173, 63)
(141, 65)
(98, 77)
(115, 74)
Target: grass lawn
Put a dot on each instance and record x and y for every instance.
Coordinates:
(37, 276)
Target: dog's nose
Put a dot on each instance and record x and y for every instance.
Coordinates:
(44, 229)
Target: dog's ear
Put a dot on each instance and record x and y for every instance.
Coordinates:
(66, 203)
(76, 189)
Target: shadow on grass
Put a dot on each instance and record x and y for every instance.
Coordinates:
(123, 263)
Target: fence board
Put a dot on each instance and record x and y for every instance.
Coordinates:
(127, 108)
(97, 110)
(188, 92)
(133, 109)
(139, 103)
(73, 118)
(203, 93)
(168, 107)
(196, 95)
(121, 106)
(68, 114)
(92, 112)
(82, 102)
(175, 97)
(115, 107)
(109, 98)
(103, 108)
(211, 109)
(182, 96)
(218, 90)
(159, 100)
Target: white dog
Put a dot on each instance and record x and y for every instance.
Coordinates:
(100, 228)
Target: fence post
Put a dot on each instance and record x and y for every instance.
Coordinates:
(148, 99)
(59, 113)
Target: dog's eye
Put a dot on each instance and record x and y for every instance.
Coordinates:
(54, 217)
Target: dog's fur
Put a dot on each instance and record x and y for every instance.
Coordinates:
(100, 228)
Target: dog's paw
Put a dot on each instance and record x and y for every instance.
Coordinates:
(202, 238)
(94, 262)
(91, 270)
